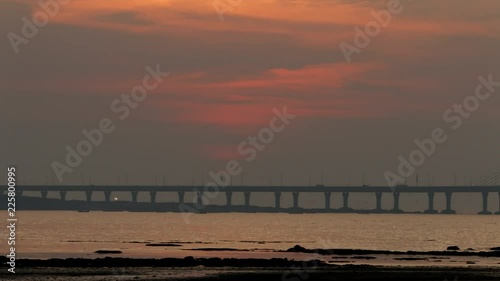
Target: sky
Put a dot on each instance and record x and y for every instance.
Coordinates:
(227, 73)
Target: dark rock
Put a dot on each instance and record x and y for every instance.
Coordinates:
(219, 249)
(108, 252)
(411, 259)
(297, 248)
(363, 257)
(453, 248)
(163, 245)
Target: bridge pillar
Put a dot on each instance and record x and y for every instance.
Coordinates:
(62, 193)
(89, 195)
(345, 197)
(430, 210)
(395, 208)
(247, 198)
(498, 213)
(181, 196)
(134, 196)
(199, 197)
(107, 195)
(328, 195)
(485, 204)
(44, 194)
(229, 196)
(378, 196)
(152, 196)
(295, 200)
(448, 210)
(277, 197)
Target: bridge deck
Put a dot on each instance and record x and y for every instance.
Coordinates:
(185, 188)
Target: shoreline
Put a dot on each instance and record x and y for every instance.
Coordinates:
(322, 266)
(298, 272)
(494, 252)
(106, 257)
(320, 257)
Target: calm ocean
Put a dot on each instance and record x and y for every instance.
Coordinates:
(47, 234)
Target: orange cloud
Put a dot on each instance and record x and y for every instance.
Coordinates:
(331, 75)
(313, 23)
(221, 152)
(247, 102)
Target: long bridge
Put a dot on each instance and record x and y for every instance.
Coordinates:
(202, 191)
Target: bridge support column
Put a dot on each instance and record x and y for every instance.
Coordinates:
(295, 200)
(430, 209)
(134, 196)
(89, 195)
(181, 196)
(152, 195)
(378, 196)
(485, 204)
(328, 195)
(44, 194)
(395, 208)
(229, 196)
(62, 194)
(448, 210)
(199, 198)
(247, 198)
(107, 195)
(277, 199)
(345, 197)
(498, 213)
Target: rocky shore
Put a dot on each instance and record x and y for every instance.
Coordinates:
(451, 251)
(242, 269)
(245, 271)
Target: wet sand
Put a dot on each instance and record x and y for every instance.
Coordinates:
(189, 268)
(338, 273)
